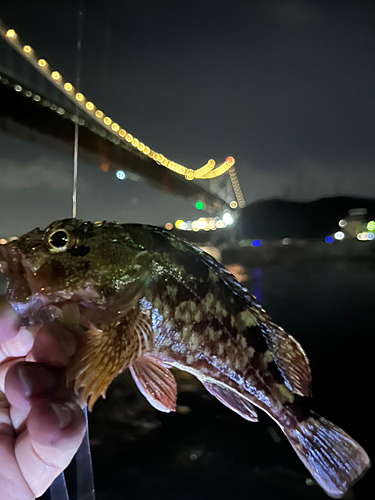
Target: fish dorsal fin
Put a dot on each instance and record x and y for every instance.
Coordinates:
(233, 400)
(155, 382)
(289, 357)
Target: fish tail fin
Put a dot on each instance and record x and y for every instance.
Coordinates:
(332, 457)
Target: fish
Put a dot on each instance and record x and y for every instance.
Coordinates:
(148, 301)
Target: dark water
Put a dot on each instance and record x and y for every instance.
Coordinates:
(205, 451)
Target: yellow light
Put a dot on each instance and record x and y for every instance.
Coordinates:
(233, 204)
(42, 63)
(135, 142)
(11, 34)
(80, 97)
(189, 174)
(90, 106)
(122, 132)
(68, 87)
(99, 114)
(178, 222)
(3, 242)
(107, 120)
(27, 49)
(141, 146)
(129, 137)
(146, 150)
(115, 127)
(56, 75)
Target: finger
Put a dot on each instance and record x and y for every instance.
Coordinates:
(13, 485)
(54, 432)
(54, 345)
(9, 321)
(26, 381)
(20, 344)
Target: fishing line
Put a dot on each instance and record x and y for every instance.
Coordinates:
(76, 125)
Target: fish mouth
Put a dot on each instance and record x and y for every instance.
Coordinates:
(33, 300)
(12, 265)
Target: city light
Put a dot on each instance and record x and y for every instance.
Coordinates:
(120, 174)
(339, 235)
(228, 219)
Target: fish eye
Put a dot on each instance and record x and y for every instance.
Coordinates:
(59, 240)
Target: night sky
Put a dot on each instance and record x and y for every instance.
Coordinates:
(286, 87)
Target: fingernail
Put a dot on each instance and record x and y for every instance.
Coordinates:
(35, 379)
(63, 413)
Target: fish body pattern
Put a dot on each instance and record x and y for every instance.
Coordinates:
(148, 301)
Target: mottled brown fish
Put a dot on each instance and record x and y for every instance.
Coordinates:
(148, 301)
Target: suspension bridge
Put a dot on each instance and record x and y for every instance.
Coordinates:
(45, 108)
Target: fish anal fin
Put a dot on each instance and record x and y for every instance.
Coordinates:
(103, 354)
(155, 382)
(233, 400)
(289, 357)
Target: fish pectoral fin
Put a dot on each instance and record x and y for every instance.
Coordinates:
(289, 357)
(233, 400)
(105, 353)
(155, 382)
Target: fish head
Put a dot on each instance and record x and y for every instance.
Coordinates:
(72, 260)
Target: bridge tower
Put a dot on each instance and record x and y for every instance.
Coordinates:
(221, 186)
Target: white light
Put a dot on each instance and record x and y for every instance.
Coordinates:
(362, 236)
(339, 235)
(227, 218)
(183, 226)
(342, 223)
(120, 174)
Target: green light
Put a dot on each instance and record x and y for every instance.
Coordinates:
(371, 225)
(199, 205)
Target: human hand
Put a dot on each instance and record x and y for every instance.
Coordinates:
(41, 421)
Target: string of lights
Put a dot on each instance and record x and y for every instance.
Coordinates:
(207, 171)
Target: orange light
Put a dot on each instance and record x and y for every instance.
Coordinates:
(169, 226)
(104, 167)
(230, 160)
